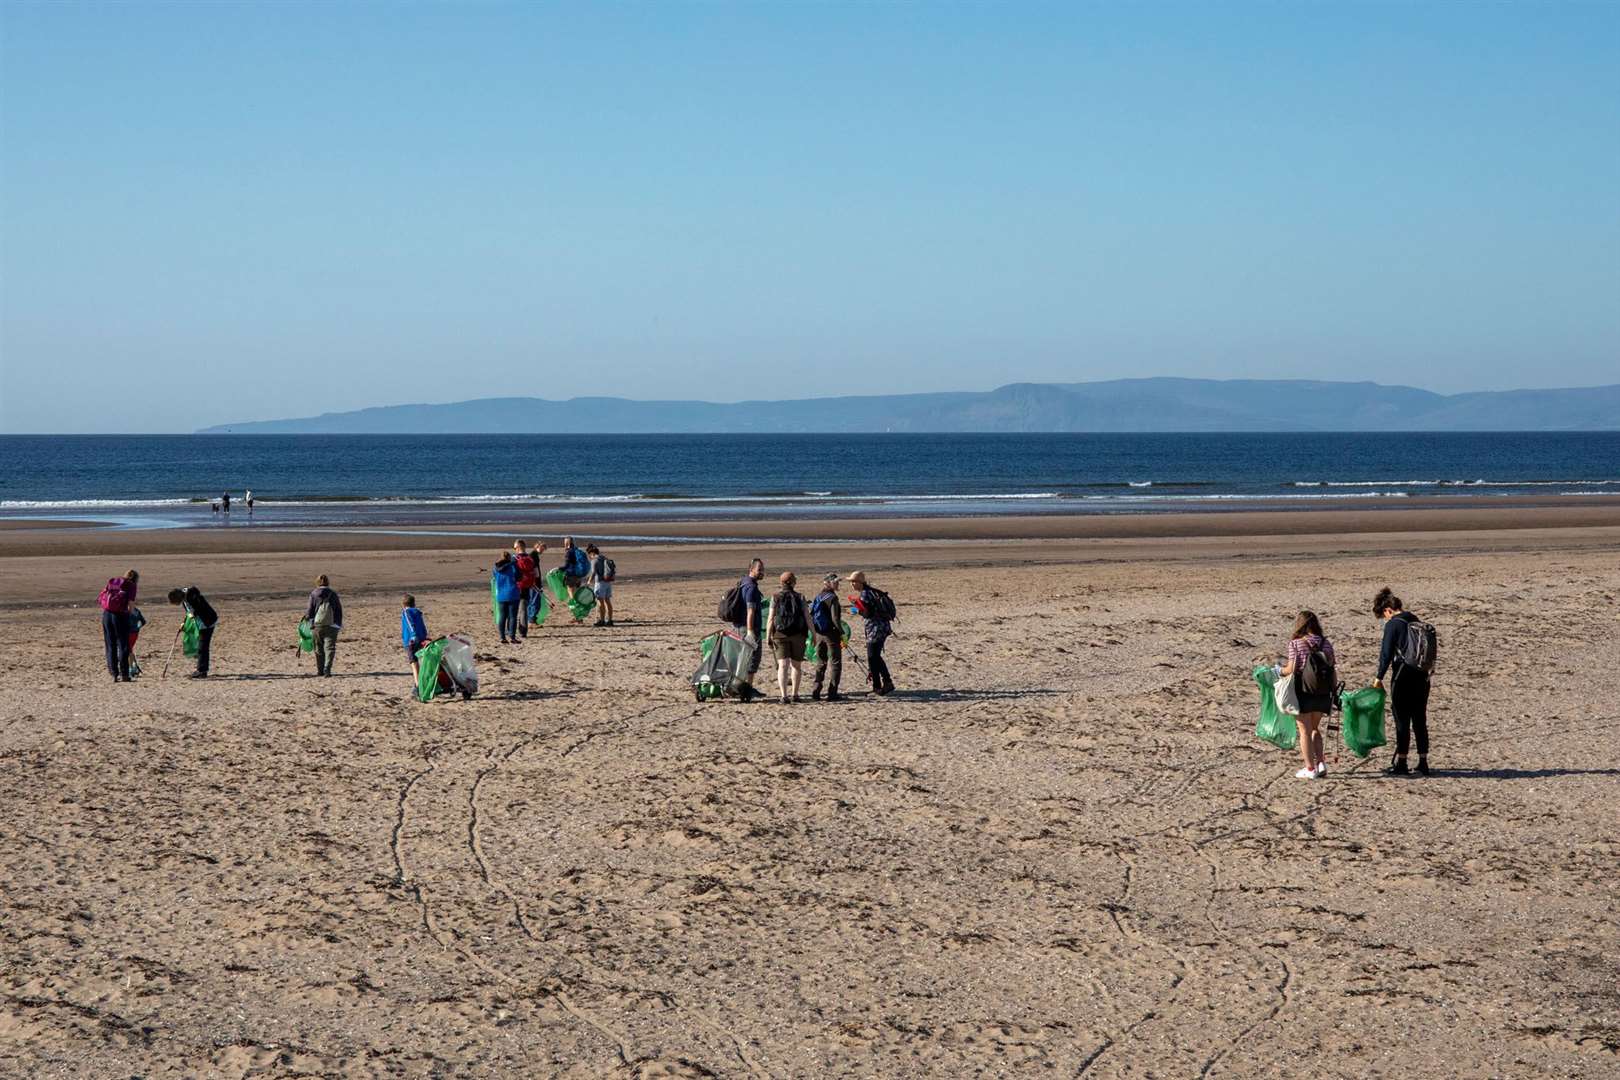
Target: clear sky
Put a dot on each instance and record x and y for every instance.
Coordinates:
(228, 211)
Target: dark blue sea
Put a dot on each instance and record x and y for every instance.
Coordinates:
(360, 480)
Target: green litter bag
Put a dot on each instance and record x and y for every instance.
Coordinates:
(494, 604)
(1363, 719)
(1274, 726)
(306, 637)
(581, 603)
(190, 635)
(810, 653)
(428, 660)
(706, 646)
(539, 607)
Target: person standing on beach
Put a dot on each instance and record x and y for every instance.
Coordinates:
(412, 632)
(824, 620)
(877, 610)
(505, 577)
(1409, 680)
(750, 602)
(194, 604)
(790, 629)
(248, 498)
(225, 501)
(325, 617)
(1311, 665)
(528, 579)
(601, 581)
(117, 600)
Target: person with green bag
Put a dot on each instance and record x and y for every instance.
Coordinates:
(412, 632)
(1311, 665)
(197, 631)
(325, 618)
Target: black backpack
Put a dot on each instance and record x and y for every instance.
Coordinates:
(732, 609)
(787, 614)
(1418, 647)
(882, 605)
(609, 571)
(1317, 677)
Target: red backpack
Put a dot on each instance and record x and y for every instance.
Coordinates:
(115, 597)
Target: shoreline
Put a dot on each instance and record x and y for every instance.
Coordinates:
(44, 567)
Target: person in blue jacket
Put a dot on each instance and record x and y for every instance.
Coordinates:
(576, 567)
(413, 632)
(507, 596)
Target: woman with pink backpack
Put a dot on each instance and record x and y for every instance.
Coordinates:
(117, 601)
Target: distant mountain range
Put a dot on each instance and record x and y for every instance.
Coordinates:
(1120, 405)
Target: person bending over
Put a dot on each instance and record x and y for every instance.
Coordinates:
(197, 606)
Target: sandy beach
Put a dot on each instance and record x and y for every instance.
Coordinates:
(1058, 849)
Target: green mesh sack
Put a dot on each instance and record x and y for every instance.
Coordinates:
(190, 636)
(581, 603)
(494, 602)
(1363, 719)
(706, 646)
(306, 637)
(810, 653)
(557, 585)
(1274, 726)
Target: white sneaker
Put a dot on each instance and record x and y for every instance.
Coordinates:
(1321, 769)
(1305, 774)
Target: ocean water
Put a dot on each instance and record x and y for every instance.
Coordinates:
(379, 479)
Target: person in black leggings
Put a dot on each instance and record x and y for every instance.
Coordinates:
(1408, 685)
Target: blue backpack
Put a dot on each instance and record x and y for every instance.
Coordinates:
(824, 615)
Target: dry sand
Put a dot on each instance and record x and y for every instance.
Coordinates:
(1057, 850)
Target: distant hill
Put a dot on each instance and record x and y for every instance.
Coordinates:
(1119, 405)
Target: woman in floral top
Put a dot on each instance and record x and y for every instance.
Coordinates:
(1313, 708)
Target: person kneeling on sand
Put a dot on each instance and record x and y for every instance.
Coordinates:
(877, 609)
(325, 615)
(824, 620)
(412, 632)
(197, 606)
(601, 582)
(790, 629)
(1311, 666)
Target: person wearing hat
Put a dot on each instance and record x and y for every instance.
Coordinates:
(824, 612)
(872, 605)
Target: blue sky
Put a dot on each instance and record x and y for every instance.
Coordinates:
(215, 212)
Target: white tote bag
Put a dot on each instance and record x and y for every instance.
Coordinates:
(1283, 692)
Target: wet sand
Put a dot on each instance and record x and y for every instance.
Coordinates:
(1057, 850)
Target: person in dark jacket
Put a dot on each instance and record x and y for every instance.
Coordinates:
(601, 585)
(412, 633)
(116, 620)
(878, 630)
(750, 628)
(507, 597)
(325, 617)
(1408, 685)
(576, 567)
(197, 606)
(825, 611)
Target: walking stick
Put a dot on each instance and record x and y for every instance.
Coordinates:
(172, 644)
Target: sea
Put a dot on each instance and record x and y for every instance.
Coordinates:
(376, 481)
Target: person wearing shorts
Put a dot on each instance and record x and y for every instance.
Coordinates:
(601, 585)
(790, 629)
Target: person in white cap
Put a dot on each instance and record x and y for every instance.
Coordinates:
(877, 609)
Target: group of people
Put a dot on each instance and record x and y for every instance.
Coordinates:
(794, 620)
(224, 502)
(1405, 654)
(121, 623)
(1310, 663)
(516, 583)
